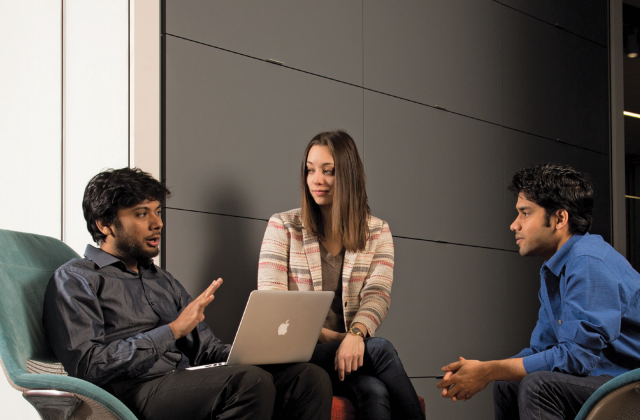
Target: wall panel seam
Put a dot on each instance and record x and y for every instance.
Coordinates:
(389, 94)
(217, 214)
(438, 241)
(557, 25)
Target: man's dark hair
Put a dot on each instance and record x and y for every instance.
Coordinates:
(555, 187)
(115, 188)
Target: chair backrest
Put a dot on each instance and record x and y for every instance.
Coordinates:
(27, 262)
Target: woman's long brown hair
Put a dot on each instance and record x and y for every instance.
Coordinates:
(350, 209)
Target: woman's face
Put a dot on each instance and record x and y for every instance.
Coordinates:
(321, 175)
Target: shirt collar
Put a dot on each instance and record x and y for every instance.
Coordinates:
(103, 259)
(559, 259)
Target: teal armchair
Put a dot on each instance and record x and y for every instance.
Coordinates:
(27, 262)
(618, 399)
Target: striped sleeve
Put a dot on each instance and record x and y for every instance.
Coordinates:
(274, 256)
(375, 294)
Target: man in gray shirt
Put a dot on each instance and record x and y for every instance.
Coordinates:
(117, 320)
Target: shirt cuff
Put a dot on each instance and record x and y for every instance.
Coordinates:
(368, 324)
(524, 353)
(536, 362)
(162, 338)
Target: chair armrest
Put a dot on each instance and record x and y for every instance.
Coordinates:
(52, 404)
(75, 386)
(615, 383)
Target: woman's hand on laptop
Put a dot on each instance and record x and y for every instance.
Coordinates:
(193, 314)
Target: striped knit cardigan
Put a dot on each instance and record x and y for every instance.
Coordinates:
(290, 255)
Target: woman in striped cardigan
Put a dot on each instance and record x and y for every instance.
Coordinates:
(333, 243)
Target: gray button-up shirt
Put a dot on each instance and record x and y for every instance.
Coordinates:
(108, 324)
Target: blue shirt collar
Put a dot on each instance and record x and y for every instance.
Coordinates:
(103, 259)
(559, 259)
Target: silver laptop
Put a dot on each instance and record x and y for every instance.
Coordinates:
(278, 327)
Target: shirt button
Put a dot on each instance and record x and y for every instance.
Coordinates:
(560, 321)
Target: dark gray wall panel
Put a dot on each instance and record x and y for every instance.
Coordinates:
(480, 407)
(447, 301)
(523, 150)
(555, 83)
(237, 127)
(320, 37)
(202, 247)
(431, 52)
(585, 18)
(433, 174)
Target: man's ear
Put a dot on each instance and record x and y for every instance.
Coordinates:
(562, 217)
(105, 228)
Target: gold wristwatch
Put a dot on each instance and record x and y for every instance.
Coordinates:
(356, 331)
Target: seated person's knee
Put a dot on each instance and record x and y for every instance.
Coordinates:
(314, 377)
(379, 346)
(253, 378)
(532, 383)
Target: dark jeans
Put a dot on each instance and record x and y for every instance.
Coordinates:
(295, 391)
(544, 396)
(380, 389)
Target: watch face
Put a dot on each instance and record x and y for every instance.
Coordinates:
(357, 331)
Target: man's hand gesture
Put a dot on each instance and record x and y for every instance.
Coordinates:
(464, 379)
(193, 314)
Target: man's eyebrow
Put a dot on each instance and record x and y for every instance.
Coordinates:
(523, 207)
(144, 207)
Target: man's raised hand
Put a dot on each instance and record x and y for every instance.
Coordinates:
(193, 314)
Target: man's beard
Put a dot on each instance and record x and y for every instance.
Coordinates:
(129, 248)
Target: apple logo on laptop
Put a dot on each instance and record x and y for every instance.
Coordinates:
(282, 329)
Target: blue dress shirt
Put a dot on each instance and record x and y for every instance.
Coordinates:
(589, 319)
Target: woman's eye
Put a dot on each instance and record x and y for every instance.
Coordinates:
(328, 171)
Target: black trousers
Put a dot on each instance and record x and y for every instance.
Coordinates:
(544, 396)
(292, 391)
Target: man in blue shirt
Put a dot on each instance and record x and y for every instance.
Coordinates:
(588, 328)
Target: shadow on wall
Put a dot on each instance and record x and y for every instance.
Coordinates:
(208, 246)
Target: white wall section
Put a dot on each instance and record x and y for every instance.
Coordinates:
(96, 98)
(30, 116)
